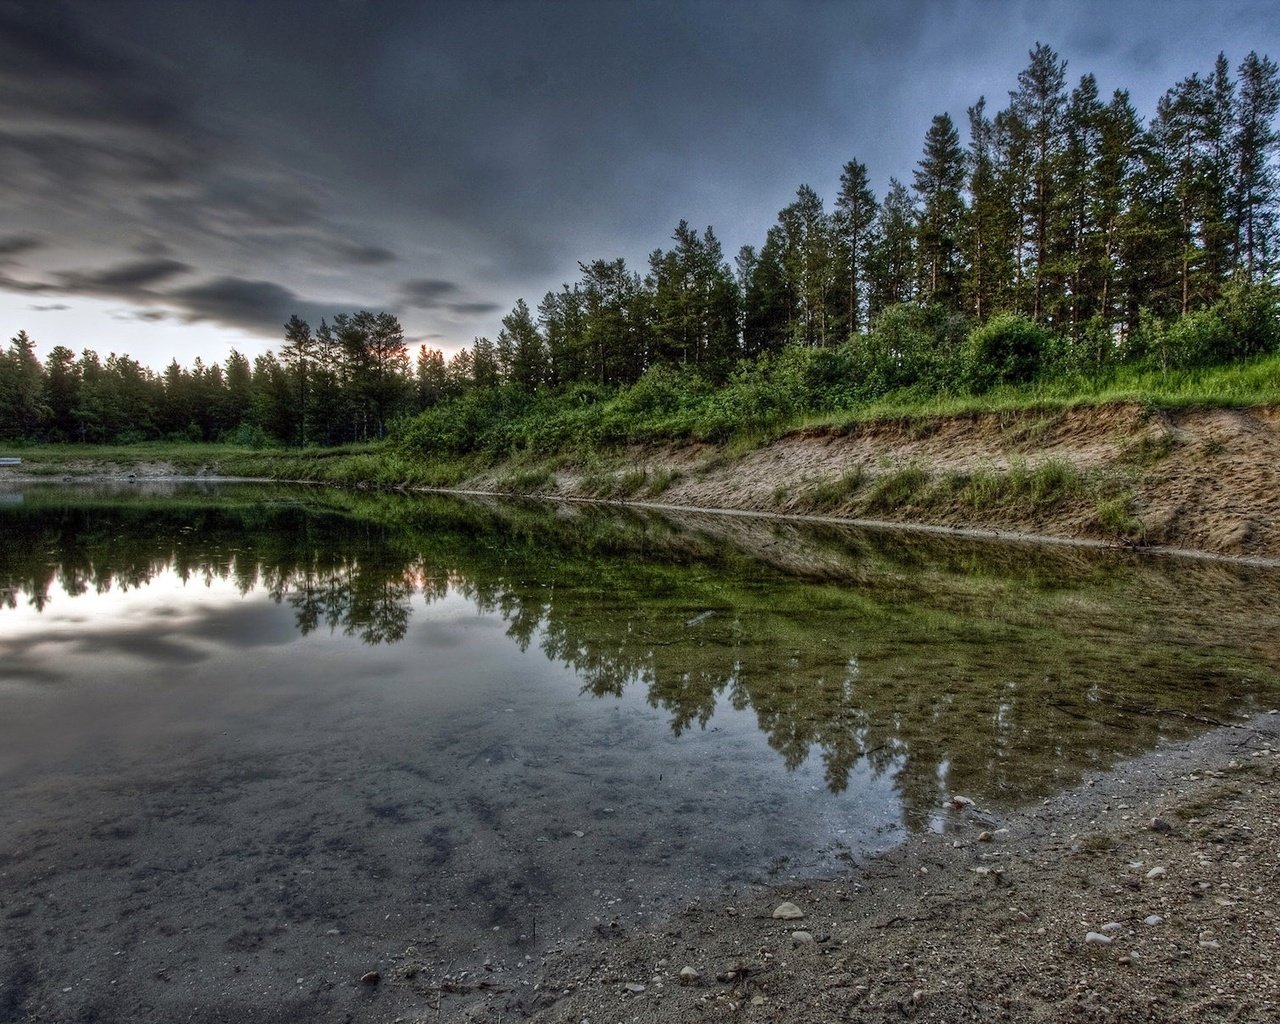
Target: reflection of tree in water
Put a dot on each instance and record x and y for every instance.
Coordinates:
(986, 669)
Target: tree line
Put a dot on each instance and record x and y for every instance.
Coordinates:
(1064, 233)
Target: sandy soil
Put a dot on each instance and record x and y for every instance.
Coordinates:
(1202, 480)
(1147, 894)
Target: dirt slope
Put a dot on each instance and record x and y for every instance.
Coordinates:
(1196, 479)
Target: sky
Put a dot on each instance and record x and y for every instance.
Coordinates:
(178, 177)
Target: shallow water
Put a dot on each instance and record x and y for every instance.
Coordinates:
(257, 741)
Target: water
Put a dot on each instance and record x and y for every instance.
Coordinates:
(257, 741)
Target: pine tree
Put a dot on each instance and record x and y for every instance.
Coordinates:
(853, 223)
(522, 356)
(297, 354)
(893, 265)
(1256, 142)
(1037, 108)
(939, 178)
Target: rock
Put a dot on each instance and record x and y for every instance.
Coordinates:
(1098, 938)
(688, 976)
(757, 1000)
(634, 986)
(372, 978)
(917, 996)
(959, 803)
(984, 837)
(1157, 873)
(801, 938)
(787, 912)
(1160, 825)
(1112, 926)
(1153, 920)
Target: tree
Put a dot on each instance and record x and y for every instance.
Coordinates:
(894, 256)
(852, 224)
(431, 377)
(1037, 108)
(61, 392)
(521, 352)
(808, 265)
(22, 411)
(1256, 142)
(694, 302)
(939, 178)
(297, 354)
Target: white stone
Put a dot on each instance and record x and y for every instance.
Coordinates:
(1157, 873)
(1099, 938)
(787, 912)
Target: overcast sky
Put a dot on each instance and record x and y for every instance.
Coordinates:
(177, 177)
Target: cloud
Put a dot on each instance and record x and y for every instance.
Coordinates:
(16, 245)
(427, 292)
(261, 307)
(433, 293)
(472, 308)
(364, 255)
(51, 307)
(126, 280)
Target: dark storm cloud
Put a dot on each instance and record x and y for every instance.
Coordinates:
(364, 255)
(472, 308)
(253, 305)
(428, 292)
(437, 294)
(16, 245)
(125, 280)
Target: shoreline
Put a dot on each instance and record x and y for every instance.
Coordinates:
(990, 919)
(1013, 536)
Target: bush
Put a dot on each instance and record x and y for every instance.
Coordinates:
(1008, 349)
(909, 346)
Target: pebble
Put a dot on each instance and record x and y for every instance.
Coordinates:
(959, 803)
(801, 938)
(1099, 938)
(688, 976)
(787, 912)
(1160, 825)
(1157, 873)
(1112, 926)
(1153, 920)
(634, 986)
(984, 837)
(372, 978)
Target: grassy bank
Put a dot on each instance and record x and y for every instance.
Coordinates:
(1112, 461)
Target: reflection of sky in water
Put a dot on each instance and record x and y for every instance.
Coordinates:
(176, 669)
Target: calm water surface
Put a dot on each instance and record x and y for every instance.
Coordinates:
(257, 741)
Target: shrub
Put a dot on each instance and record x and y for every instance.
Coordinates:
(1007, 349)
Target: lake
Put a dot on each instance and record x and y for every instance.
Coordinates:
(257, 741)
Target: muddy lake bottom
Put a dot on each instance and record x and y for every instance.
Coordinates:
(256, 742)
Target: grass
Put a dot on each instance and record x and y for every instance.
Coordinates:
(527, 480)
(1116, 517)
(829, 495)
(896, 488)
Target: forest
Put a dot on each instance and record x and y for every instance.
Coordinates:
(1065, 238)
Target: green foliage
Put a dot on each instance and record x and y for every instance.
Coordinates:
(896, 488)
(1008, 349)
(1116, 517)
